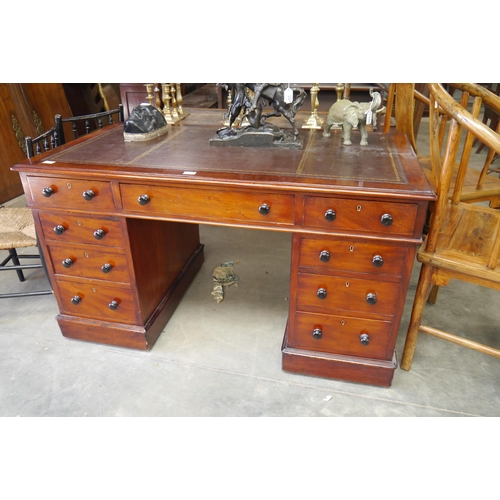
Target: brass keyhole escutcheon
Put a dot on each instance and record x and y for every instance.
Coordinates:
(86, 255)
(68, 185)
(79, 222)
(347, 284)
(94, 290)
(342, 322)
(358, 208)
(351, 249)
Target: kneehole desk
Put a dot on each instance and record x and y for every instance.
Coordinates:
(118, 229)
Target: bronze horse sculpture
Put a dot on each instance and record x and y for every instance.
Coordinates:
(265, 94)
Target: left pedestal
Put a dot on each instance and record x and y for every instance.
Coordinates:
(118, 281)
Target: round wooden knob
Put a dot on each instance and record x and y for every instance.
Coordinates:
(106, 268)
(47, 192)
(386, 219)
(317, 333)
(264, 209)
(324, 256)
(89, 194)
(144, 199)
(113, 305)
(330, 215)
(99, 234)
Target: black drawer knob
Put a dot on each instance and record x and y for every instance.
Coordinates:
(76, 300)
(378, 261)
(324, 256)
(264, 209)
(113, 305)
(99, 234)
(317, 333)
(59, 229)
(371, 298)
(106, 268)
(330, 215)
(386, 219)
(89, 194)
(47, 192)
(144, 199)
(321, 293)
(364, 338)
(67, 263)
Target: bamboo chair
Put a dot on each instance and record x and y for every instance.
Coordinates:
(408, 102)
(463, 242)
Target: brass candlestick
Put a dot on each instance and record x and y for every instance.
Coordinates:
(166, 102)
(314, 120)
(172, 107)
(180, 99)
(149, 90)
(340, 91)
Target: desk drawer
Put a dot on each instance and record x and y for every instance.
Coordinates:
(330, 294)
(62, 227)
(209, 204)
(97, 301)
(325, 256)
(89, 262)
(341, 335)
(55, 192)
(360, 216)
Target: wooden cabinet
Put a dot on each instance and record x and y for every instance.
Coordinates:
(122, 243)
(26, 109)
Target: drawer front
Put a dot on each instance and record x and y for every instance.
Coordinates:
(89, 262)
(341, 335)
(55, 192)
(331, 294)
(360, 216)
(93, 301)
(209, 204)
(62, 227)
(325, 256)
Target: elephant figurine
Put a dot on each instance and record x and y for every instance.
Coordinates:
(349, 114)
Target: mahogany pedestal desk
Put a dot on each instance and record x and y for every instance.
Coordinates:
(118, 228)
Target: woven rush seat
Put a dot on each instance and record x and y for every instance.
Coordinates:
(17, 230)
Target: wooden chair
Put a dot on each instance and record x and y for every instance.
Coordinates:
(17, 230)
(44, 142)
(408, 102)
(95, 120)
(463, 242)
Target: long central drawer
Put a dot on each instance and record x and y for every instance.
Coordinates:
(209, 204)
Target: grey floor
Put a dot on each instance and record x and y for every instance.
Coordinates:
(215, 360)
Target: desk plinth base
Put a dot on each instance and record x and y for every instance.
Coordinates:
(133, 336)
(337, 366)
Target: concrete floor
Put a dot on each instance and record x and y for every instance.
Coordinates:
(225, 360)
